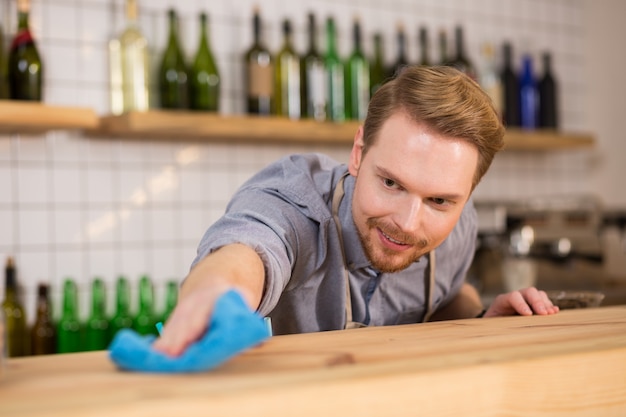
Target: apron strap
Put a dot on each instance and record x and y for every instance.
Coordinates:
(429, 286)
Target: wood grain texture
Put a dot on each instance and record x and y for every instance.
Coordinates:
(570, 364)
(33, 117)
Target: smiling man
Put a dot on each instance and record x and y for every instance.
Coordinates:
(386, 239)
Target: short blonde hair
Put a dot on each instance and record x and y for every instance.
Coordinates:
(446, 100)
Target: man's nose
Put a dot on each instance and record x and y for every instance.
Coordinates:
(409, 215)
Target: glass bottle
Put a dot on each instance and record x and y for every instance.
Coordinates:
(424, 47)
(357, 78)
(334, 75)
(122, 318)
(16, 331)
(145, 320)
(401, 60)
(287, 77)
(528, 95)
(4, 83)
(443, 48)
(68, 327)
(43, 332)
(205, 77)
(377, 66)
(461, 61)
(510, 88)
(488, 77)
(312, 78)
(129, 67)
(171, 298)
(97, 329)
(25, 66)
(548, 100)
(259, 72)
(173, 71)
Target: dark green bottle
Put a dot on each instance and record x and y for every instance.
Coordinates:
(173, 72)
(357, 78)
(334, 75)
(68, 327)
(122, 318)
(205, 77)
(312, 78)
(287, 77)
(424, 47)
(378, 74)
(16, 330)
(4, 82)
(43, 332)
(25, 67)
(259, 72)
(401, 60)
(97, 329)
(145, 320)
(171, 297)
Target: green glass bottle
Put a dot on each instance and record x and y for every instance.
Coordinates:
(97, 328)
(424, 47)
(43, 332)
(287, 77)
(25, 66)
(173, 72)
(259, 71)
(68, 327)
(205, 77)
(443, 48)
(122, 318)
(334, 75)
(145, 320)
(4, 83)
(312, 78)
(16, 330)
(378, 74)
(171, 297)
(401, 60)
(357, 78)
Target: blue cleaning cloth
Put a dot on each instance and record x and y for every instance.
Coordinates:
(234, 328)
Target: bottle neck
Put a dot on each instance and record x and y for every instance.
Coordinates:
(204, 33)
(131, 10)
(460, 53)
(256, 28)
(401, 46)
(312, 35)
(356, 37)
(330, 33)
(173, 26)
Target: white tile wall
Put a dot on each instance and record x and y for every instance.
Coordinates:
(80, 207)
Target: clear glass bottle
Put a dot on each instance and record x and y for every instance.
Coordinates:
(312, 78)
(287, 77)
(205, 77)
(259, 71)
(357, 78)
(129, 66)
(25, 66)
(173, 71)
(15, 317)
(488, 77)
(43, 332)
(334, 75)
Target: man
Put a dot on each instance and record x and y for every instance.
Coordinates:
(387, 239)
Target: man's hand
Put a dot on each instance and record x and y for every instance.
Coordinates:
(524, 302)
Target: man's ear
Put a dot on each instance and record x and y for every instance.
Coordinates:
(357, 153)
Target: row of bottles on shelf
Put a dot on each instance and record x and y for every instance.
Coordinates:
(21, 68)
(69, 333)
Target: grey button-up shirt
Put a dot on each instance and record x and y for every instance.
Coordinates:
(284, 213)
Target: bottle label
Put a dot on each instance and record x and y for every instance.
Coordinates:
(22, 38)
(260, 80)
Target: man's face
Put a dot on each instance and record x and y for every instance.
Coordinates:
(410, 190)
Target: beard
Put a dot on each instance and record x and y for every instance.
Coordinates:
(387, 260)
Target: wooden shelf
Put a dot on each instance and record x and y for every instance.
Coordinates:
(161, 124)
(33, 117)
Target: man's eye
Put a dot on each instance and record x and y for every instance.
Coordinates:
(439, 201)
(389, 183)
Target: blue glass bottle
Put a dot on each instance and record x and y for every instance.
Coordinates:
(529, 99)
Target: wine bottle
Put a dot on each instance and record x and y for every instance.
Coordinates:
(68, 327)
(43, 332)
(4, 83)
(312, 78)
(334, 75)
(488, 77)
(97, 329)
(529, 99)
(25, 66)
(205, 77)
(287, 77)
(461, 61)
(510, 88)
(145, 321)
(171, 298)
(129, 67)
(173, 71)
(122, 318)
(548, 99)
(424, 47)
(444, 59)
(16, 331)
(259, 72)
(357, 78)
(377, 66)
(401, 60)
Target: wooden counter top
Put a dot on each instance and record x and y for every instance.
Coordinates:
(570, 364)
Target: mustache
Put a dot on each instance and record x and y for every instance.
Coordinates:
(396, 233)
